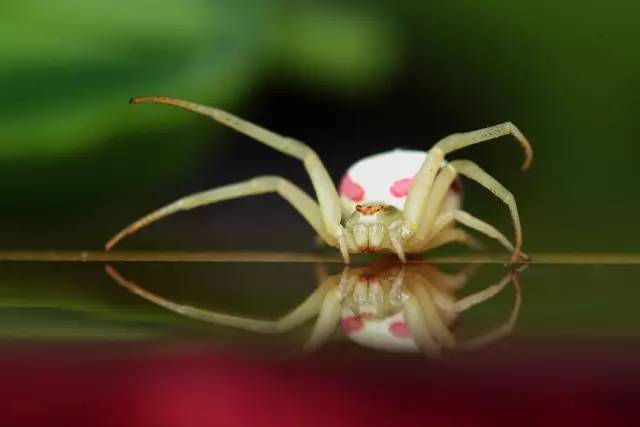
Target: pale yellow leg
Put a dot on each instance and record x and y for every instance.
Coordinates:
(416, 201)
(414, 205)
(454, 235)
(460, 140)
(302, 313)
(434, 201)
(327, 321)
(419, 326)
(422, 289)
(431, 228)
(474, 172)
(304, 204)
(323, 185)
(502, 330)
(447, 282)
(445, 220)
(481, 296)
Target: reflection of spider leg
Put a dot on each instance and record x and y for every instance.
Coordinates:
(483, 295)
(302, 313)
(322, 183)
(444, 284)
(504, 329)
(419, 326)
(327, 320)
(447, 281)
(320, 271)
(304, 204)
(416, 201)
(424, 292)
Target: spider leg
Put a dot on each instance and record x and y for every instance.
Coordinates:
(423, 181)
(479, 297)
(445, 220)
(474, 172)
(460, 140)
(302, 313)
(432, 231)
(327, 321)
(424, 292)
(445, 281)
(502, 330)
(454, 235)
(304, 204)
(419, 326)
(426, 229)
(323, 185)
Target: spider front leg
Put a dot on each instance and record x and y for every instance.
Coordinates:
(307, 207)
(323, 185)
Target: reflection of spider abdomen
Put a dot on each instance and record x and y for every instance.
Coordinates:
(387, 178)
(387, 333)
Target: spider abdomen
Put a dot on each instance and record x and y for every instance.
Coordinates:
(387, 178)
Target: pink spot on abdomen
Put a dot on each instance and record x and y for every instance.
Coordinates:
(399, 330)
(351, 324)
(351, 190)
(401, 187)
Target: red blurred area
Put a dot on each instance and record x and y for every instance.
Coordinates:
(97, 387)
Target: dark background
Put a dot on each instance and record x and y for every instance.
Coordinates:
(77, 162)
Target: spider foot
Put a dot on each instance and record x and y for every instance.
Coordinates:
(519, 257)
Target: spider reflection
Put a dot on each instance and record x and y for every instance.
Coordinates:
(392, 307)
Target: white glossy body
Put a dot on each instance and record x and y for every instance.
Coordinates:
(387, 178)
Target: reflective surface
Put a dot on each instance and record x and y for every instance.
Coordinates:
(382, 305)
(79, 301)
(69, 327)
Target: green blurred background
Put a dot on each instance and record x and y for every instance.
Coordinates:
(350, 78)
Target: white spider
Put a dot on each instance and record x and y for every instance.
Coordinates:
(421, 214)
(406, 308)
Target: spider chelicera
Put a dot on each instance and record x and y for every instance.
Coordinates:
(415, 212)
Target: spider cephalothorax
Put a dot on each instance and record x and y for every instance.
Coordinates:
(373, 227)
(375, 210)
